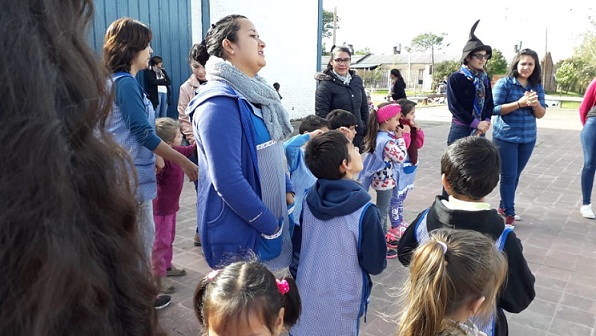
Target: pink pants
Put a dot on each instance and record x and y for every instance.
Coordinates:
(165, 232)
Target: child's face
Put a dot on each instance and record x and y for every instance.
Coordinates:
(355, 166)
(411, 115)
(177, 140)
(250, 325)
(349, 132)
(393, 122)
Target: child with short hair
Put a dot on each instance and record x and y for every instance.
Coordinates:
(339, 242)
(454, 276)
(344, 122)
(385, 151)
(245, 298)
(311, 126)
(470, 170)
(406, 173)
(165, 206)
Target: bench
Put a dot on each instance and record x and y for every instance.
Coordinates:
(422, 100)
(555, 101)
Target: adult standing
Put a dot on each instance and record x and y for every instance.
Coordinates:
(469, 95)
(188, 90)
(587, 114)
(126, 51)
(239, 126)
(519, 101)
(157, 84)
(398, 85)
(341, 88)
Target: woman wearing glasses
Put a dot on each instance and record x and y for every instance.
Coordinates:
(340, 88)
(469, 95)
(519, 100)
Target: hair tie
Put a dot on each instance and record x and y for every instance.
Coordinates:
(282, 286)
(212, 274)
(443, 246)
(212, 25)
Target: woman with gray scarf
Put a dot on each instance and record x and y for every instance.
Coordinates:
(239, 125)
(340, 88)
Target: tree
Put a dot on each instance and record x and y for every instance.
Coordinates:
(443, 69)
(566, 75)
(364, 51)
(426, 41)
(328, 23)
(497, 65)
(372, 77)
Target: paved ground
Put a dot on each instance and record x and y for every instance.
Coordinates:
(559, 244)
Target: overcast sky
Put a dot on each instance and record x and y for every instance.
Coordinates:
(380, 24)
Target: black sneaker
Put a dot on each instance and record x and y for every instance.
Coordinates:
(162, 301)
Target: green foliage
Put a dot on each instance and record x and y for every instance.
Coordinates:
(372, 77)
(444, 68)
(364, 51)
(497, 65)
(426, 41)
(566, 75)
(328, 23)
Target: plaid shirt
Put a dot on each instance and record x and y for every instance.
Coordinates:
(518, 126)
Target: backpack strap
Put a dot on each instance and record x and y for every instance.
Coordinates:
(421, 230)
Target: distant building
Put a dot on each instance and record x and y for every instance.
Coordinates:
(414, 67)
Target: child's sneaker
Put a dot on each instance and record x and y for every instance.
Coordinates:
(391, 253)
(162, 301)
(395, 234)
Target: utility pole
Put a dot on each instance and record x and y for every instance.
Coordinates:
(334, 22)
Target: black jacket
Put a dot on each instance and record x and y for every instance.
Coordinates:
(518, 291)
(398, 90)
(333, 94)
(151, 83)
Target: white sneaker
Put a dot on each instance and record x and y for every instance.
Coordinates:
(586, 211)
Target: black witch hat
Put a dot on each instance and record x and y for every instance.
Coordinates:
(474, 44)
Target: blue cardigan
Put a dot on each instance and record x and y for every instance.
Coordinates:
(230, 213)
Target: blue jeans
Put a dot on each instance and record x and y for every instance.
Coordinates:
(383, 200)
(588, 138)
(457, 132)
(514, 157)
(162, 107)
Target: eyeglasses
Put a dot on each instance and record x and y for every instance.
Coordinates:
(481, 56)
(341, 60)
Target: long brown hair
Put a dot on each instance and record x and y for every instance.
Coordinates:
(442, 281)
(71, 262)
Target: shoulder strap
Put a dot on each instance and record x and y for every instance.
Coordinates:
(421, 230)
(500, 242)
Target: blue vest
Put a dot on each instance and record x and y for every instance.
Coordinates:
(373, 162)
(333, 287)
(142, 158)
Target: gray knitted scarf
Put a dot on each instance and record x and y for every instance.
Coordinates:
(257, 91)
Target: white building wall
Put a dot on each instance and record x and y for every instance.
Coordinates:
(291, 44)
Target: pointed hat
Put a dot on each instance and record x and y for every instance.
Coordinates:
(474, 44)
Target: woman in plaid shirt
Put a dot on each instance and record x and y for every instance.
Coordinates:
(519, 101)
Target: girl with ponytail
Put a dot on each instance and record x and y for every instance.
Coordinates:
(454, 279)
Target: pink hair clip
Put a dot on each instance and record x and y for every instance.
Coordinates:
(282, 286)
(212, 274)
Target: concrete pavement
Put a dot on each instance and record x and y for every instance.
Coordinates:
(559, 244)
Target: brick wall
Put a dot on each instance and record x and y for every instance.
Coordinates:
(291, 38)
